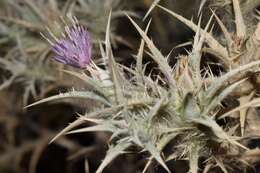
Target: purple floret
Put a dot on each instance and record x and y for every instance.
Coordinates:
(75, 49)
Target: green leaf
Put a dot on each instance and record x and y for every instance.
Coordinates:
(139, 61)
(195, 56)
(165, 139)
(217, 99)
(104, 127)
(240, 24)
(162, 102)
(96, 85)
(73, 94)
(253, 103)
(219, 82)
(227, 35)
(157, 55)
(212, 42)
(87, 117)
(112, 153)
(217, 130)
(114, 71)
(156, 155)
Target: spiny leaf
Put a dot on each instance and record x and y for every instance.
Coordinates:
(147, 80)
(195, 56)
(114, 71)
(97, 86)
(139, 61)
(199, 40)
(217, 130)
(165, 139)
(219, 82)
(216, 100)
(107, 41)
(104, 127)
(117, 133)
(73, 94)
(197, 36)
(243, 112)
(112, 153)
(156, 155)
(253, 103)
(157, 55)
(240, 24)
(156, 108)
(212, 42)
(117, 80)
(87, 117)
(227, 35)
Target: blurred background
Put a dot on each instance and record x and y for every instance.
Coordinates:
(28, 74)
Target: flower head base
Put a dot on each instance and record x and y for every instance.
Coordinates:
(74, 48)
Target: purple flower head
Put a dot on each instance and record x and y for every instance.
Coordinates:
(74, 48)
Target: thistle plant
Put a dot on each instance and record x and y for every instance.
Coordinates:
(177, 109)
(238, 48)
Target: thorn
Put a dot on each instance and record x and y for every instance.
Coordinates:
(240, 25)
(224, 30)
(202, 3)
(211, 41)
(151, 8)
